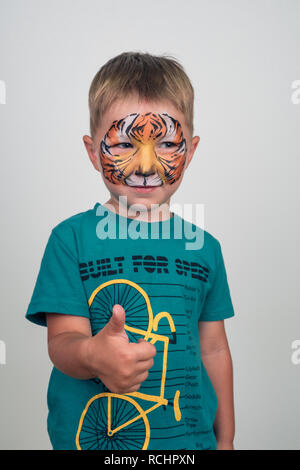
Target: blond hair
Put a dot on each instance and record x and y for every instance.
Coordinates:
(152, 77)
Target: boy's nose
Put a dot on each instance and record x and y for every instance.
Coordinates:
(146, 160)
(145, 168)
(145, 173)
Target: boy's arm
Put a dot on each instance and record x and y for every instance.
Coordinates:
(217, 361)
(68, 340)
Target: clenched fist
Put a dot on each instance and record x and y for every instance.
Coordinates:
(122, 366)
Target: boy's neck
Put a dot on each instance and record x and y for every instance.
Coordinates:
(156, 214)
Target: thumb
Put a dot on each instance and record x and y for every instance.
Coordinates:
(116, 323)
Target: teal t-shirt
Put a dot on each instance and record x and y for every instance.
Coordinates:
(167, 275)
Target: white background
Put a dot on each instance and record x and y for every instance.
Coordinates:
(242, 58)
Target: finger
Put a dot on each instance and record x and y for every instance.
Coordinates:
(139, 378)
(144, 350)
(134, 388)
(143, 366)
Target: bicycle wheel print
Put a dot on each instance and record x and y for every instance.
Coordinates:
(93, 430)
(133, 299)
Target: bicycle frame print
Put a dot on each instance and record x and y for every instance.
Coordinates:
(83, 437)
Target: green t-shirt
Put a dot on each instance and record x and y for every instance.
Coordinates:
(166, 284)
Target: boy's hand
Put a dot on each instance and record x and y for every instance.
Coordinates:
(122, 366)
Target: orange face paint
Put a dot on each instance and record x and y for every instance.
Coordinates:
(143, 150)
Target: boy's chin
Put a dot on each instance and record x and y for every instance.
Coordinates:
(143, 202)
(133, 195)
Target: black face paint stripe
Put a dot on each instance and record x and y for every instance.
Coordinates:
(119, 123)
(131, 124)
(104, 148)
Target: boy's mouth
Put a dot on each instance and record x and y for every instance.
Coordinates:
(139, 182)
(144, 188)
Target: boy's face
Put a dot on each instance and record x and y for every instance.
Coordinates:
(142, 150)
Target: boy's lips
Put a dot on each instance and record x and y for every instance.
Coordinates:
(144, 189)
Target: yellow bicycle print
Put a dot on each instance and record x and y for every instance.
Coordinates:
(118, 421)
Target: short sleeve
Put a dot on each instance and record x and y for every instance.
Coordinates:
(58, 287)
(218, 304)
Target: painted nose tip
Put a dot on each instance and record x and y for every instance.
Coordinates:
(145, 173)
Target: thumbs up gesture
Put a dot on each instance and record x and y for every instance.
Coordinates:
(122, 366)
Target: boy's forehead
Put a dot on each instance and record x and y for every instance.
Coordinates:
(123, 108)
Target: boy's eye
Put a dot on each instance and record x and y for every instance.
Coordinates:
(120, 146)
(124, 145)
(167, 145)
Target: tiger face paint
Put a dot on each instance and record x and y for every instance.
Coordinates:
(143, 150)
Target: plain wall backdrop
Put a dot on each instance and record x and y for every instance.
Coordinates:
(243, 60)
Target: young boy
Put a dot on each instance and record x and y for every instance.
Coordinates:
(135, 316)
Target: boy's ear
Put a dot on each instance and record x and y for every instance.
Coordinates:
(194, 144)
(90, 148)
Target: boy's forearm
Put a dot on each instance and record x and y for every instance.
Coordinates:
(69, 353)
(219, 368)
